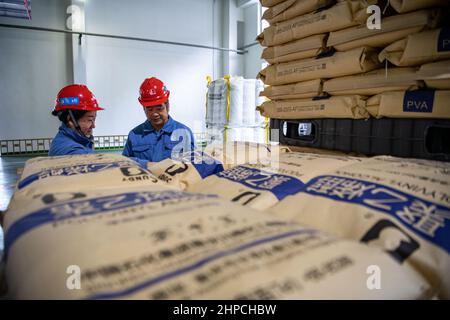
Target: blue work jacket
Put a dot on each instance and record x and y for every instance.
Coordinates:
(147, 144)
(68, 141)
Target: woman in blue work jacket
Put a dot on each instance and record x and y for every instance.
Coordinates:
(76, 107)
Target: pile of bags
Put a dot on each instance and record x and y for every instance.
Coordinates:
(325, 61)
(101, 227)
(400, 205)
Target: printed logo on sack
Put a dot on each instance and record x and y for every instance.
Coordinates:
(279, 185)
(444, 40)
(91, 207)
(73, 281)
(423, 218)
(418, 101)
(71, 171)
(69, 101)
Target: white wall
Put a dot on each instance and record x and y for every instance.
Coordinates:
(116, 68)
(252, 59)
(233, 63)
(34, 65)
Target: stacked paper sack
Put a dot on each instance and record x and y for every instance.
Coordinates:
(101, 227)
(231, 113)
(325, 61)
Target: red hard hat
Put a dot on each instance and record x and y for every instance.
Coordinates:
(76, 96)
(153, 92)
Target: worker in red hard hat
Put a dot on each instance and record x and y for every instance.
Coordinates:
(156, 138)
(76, 107)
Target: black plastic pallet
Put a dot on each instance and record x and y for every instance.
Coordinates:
(411, 138)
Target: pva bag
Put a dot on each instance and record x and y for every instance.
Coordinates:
(436, 75)
(339, 16)
(231, 154)
(262, 186)
(373, 82)
(345, 107)
(82, 173)
(328, 66)
(431, 104)
(186, 170)
(292, 8)
(401, 205)
(407, 5)
(300, 90)
(167, 244)
(393, 28)
(295, 50)
(419, 48)
(270, 3)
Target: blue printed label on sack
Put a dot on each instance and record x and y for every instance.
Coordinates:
(444, 40)
(71, 171)
(101, 205)
(418, 101)
(69, 101)
(279, 185)
(428, 220)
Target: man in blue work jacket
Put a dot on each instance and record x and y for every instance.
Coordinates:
(160, 136)
(76, 107)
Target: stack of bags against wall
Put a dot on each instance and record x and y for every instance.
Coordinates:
(352, 71)
(92, 227)
(300, 60)
(231, 113)
(411, 39)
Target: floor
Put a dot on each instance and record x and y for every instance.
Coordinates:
(10, 168)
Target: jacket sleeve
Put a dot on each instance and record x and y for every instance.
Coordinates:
(127, 149)
(79, 150)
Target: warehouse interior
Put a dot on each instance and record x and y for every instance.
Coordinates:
(313, 149)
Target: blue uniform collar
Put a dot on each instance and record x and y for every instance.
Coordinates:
(75, 136)
(167, 128)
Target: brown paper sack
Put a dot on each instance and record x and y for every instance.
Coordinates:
(402, 6)
(300, 90)
(339, 64)
(292, 8)
(299, 49)
(346, 107)
(410, 104)
(270, 3)
(166, 244)
(341, 15)
(393, 28)
(400, 205)
(416, 49)
(436, 75)
(374, 82)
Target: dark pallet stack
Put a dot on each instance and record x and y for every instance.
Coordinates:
(410, 138)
